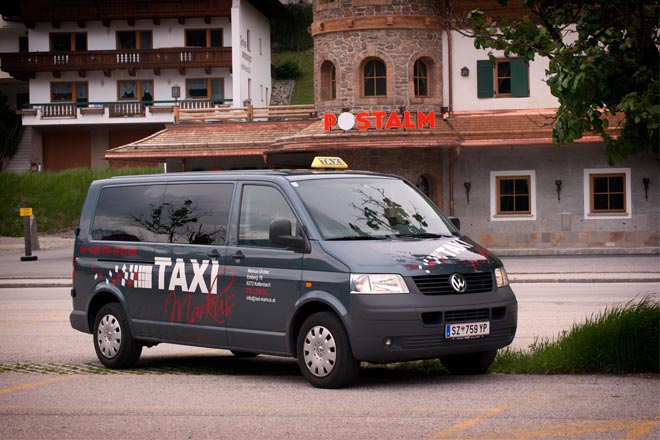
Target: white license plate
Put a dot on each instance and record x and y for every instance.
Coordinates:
(467, 330)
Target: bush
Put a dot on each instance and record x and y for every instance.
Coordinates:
(288, 70)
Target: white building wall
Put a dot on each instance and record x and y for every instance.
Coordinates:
(464, 54)
(104, 89)
(251, 59)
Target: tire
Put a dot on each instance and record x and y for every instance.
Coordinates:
(244, 354)
(324, 352)
(471, 363)
(113, 341)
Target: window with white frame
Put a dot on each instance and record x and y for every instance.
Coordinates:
(513, 195)
(607, 193)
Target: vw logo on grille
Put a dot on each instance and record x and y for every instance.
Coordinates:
(458, 282)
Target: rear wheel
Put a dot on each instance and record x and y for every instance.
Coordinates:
(471, 363)
(324, 352)
(113, 341)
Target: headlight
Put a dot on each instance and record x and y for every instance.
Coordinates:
(381, 284)
(501, 277)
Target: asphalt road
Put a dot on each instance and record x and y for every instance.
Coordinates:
(52, 386)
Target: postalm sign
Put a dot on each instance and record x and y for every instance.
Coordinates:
(379, 120)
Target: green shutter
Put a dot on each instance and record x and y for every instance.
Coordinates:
(519, 78)
(485, 84)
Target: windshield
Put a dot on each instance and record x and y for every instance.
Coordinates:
(369, 208)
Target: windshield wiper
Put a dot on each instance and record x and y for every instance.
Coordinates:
(361, 237)
(424, 235)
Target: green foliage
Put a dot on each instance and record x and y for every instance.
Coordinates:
(604, 59)
(303, 92)
(289, 70)
(291, 34)
(10, 128)
(620, 340)
(55, 198)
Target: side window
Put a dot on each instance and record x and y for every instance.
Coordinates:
(512, 195)
(421, 79)
(194, 213)
(374, 78)
(507, 77)
(328, 81)
(260, 205)
(607, 193)
(126, 213)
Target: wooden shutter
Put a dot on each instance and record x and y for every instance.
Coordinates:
(485, 84)
(519, 78)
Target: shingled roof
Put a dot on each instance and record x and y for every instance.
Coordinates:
(468, 129)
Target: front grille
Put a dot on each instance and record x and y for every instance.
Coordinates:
(476, 282)
(467, 315)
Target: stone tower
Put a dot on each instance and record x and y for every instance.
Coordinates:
(377, 55)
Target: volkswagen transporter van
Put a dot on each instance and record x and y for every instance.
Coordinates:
(332, 268)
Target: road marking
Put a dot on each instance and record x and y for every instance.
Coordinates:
(529, 397)
(635, 429)
(35, 384)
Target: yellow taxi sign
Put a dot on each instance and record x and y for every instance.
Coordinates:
(329, 162)
(26, 212)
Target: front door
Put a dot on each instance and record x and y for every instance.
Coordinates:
(266, 278)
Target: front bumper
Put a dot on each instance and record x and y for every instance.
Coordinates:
(414, 324)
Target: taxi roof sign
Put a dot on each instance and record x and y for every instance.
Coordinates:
(329, 162)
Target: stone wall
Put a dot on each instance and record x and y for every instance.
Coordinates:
(348, 33)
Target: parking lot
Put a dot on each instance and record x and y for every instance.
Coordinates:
(52, 386)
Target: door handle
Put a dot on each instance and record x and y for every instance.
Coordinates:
(238, 256)
(214, 254)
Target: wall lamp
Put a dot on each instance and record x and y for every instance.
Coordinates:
(467, 186)
(646, 181)
(176, 92)
(465, 71)
(558, 185)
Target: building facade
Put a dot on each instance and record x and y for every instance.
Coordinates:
(96, 75)
(399, 91)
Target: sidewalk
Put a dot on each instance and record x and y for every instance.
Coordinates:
(54, 265)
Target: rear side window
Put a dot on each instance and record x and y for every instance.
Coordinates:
(185, 214)
(122, 211)
(195, 213)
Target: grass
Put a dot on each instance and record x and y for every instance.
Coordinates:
(620, 340)
(303, 93)
(55, 198)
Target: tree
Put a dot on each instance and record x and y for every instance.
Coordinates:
(604, 60)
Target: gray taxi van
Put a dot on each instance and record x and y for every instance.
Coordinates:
(331, 267)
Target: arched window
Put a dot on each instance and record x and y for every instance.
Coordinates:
(421, 79)
(374, 78)
(328, 81)
(423, 185)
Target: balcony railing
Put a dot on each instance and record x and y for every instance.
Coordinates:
(76, 10)
(116, 109)
(183, 110)
(23, 65)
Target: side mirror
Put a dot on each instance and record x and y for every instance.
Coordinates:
(280, 235)
(456, 222)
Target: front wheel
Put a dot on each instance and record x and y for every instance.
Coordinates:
(471, 363)
(324, 352)
(113, 341)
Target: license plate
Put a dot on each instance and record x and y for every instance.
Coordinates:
(467, 330)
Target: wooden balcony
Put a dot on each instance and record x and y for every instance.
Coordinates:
(26, 65)
(55, 11)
